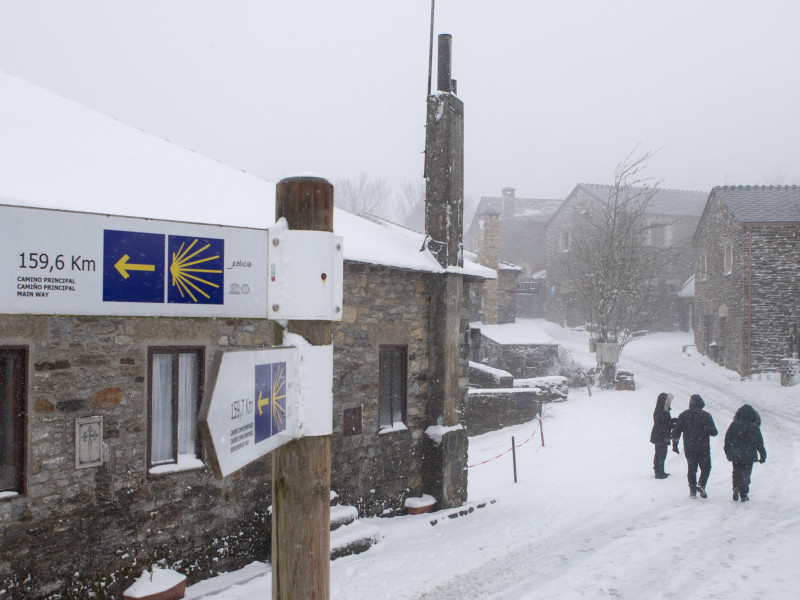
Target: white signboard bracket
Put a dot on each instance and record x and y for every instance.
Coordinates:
(305, 278)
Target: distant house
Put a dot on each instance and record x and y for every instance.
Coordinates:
(522, 227)
(85, 530)
(676, 214)
(508, 234)
(747, 277)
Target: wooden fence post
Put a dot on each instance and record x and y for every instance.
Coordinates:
(301, 469)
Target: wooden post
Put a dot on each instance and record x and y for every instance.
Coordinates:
(301, 469)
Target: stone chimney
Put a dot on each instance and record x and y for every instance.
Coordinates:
(488, 246)
(509, 202)
(444, 166)
(444, 461)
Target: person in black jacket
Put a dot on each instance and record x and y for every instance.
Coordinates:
(697, 426)
(661, 433)
(743, 446)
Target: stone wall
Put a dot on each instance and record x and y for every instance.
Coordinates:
(490, 409)
(123, 518)
(775, 296)
(506, 297)
(743, 319)
(373, 470)
(521, 360)
(79, 533)
(720, 303)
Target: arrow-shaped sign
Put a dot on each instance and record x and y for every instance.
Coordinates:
(262, 402)
(123, 266)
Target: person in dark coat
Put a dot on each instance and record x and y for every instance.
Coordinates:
(661, 433)
(744, 445)
(697, 427)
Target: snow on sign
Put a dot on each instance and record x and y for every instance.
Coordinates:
(60, 262)
(252, 409)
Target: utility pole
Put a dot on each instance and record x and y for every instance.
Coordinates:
(301, 469)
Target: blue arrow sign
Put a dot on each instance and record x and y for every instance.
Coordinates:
(270, 413)
(133, 266)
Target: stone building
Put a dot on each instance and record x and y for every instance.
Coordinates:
(676, 213)
(147, 494)
(508, 234)
(747, 277)
(494, 302)
(522, 224)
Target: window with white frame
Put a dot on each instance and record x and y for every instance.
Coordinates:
(176, 376)
(13, 369)
(703, 267)
(728, 259)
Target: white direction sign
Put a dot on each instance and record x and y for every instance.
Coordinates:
(70, 263)
(252, 409)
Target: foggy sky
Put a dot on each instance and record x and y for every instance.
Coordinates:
(555, 93)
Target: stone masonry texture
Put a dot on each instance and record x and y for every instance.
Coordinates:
(80, 533)
(744, 318)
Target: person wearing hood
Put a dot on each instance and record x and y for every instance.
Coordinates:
(744, 445)
(661, 433)
(697, 427)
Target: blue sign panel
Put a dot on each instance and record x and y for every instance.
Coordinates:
(270, 414)
(196, 270)
(133, 266)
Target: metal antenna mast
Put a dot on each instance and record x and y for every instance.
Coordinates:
(430, 50)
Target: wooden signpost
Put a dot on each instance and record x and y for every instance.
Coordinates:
(301, 469)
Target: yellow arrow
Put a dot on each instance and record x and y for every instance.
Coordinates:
(123, 266)
(262, 402)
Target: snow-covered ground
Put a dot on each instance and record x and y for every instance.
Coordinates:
(586, 518)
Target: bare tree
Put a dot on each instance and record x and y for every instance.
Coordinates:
(614, 274)
(410, 204)
(364, 194)
(777, 177)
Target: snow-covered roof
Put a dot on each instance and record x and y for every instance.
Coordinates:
(56, 153)
(503, 265)
(522, 332)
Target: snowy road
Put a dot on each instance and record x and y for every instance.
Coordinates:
(587, 519)
(630, 536)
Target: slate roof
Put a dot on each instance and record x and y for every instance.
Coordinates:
(664, 202)
(761, 203)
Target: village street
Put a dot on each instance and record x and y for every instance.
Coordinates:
(587, 519)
